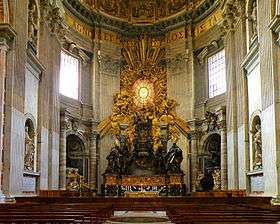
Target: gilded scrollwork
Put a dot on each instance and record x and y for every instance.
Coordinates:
(143, 94)
(75, 181)
(217, 179)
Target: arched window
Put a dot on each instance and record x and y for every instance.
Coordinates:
(69, 76)
(217, 74)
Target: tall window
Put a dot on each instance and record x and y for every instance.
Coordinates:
(217, 74)
(69, 76)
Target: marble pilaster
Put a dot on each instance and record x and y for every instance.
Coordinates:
(62, 153)
(7, 34)
(222, 128)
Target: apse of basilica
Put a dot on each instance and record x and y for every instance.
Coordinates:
(119, 97)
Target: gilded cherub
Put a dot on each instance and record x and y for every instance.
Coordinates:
(156, 134)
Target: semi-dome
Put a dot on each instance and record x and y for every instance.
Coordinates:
(141, 11)
(156, 14)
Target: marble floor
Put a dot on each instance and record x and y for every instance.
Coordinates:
(137, 217)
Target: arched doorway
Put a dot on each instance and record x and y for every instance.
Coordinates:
(211, 163)
(76, 155)
(212, 148)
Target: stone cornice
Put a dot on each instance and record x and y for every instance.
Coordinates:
(7, 34)
(275, 27)
(93, 18)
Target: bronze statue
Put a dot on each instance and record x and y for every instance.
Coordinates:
(174, 159)
(160, 161)
(114, 160)
(124, 157)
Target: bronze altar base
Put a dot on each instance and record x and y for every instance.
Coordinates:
(160, 185)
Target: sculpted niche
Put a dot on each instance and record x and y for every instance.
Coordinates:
(256, 143)
(29, 153)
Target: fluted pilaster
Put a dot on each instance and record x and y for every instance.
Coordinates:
(62, 153)
(7, 35)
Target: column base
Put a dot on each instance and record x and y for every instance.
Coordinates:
(275, 200)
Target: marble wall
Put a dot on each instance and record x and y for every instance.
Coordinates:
(109, 72)
(44, 166)
(35, 92)
(180, 87)
(13, 170)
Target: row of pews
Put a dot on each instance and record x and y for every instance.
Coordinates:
(197, 209)
(55, 213)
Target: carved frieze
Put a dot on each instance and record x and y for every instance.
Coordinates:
(232, 11)
(53, 14)
(205, 51)
(109, 65)
(177, 63)
(210, 121)
(275, 27)
(7, 35)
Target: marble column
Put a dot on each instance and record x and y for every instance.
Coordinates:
(93, 161)
(194, 160)
(3, 53)
(62, 153)
(222, 128)
(194, 153)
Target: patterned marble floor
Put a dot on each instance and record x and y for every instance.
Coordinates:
(139, 217)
